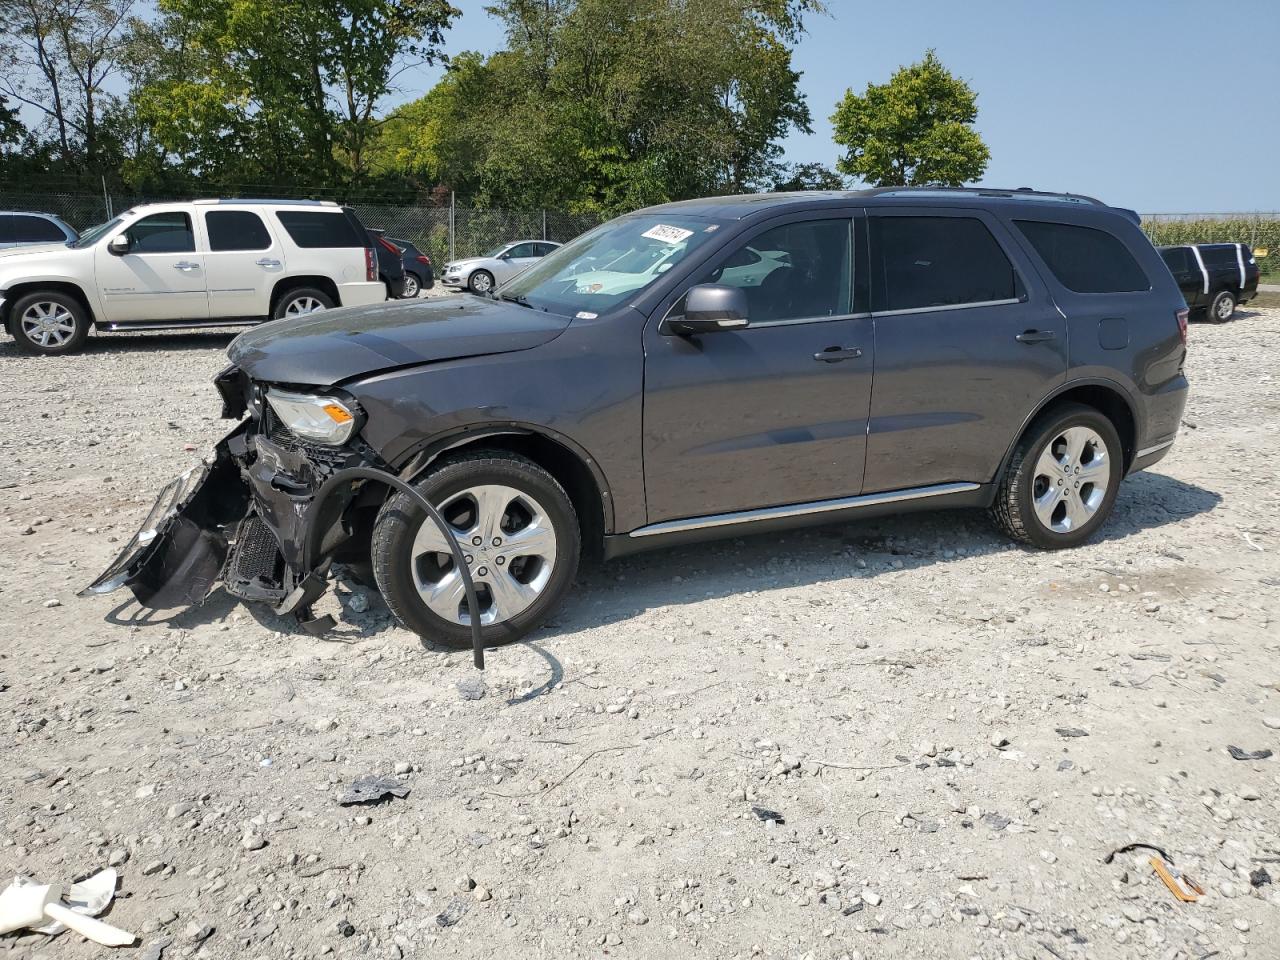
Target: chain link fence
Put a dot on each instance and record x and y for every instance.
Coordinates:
(445, 232)
(448, 232)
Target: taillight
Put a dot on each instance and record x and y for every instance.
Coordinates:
(389, 246)
(423, 259)
(1182, 324)
(370, 264)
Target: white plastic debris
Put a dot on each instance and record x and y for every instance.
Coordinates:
(44, 908)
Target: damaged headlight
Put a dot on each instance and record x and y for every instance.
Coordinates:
(320, 419)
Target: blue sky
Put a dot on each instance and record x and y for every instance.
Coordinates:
(1160, 105)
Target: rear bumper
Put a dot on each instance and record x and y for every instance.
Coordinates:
(362, 294)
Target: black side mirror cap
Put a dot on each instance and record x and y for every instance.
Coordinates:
(709, 308)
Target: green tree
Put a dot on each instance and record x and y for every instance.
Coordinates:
(809, 176)
(286, 91)
(915, 129)
(56, 59)
(606, 105)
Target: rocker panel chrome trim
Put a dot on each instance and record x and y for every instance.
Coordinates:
(800, 509)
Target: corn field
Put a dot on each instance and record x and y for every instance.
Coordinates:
(1259, 230)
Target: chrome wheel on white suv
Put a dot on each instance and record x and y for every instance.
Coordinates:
(301, 302)
(49, 322)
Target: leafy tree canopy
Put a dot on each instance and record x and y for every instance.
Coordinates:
(608, 105)
(915, 129)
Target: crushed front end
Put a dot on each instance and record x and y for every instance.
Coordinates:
(246, 517)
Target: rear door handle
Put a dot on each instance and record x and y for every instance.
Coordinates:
(1034, 336)
(836, 354)
(267, 262)
(185, 265)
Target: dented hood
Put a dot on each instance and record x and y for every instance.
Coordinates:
(327, 348)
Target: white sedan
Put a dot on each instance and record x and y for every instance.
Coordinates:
(482, 274)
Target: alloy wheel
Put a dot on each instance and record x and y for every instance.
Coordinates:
(509, 544)
(1071, 478)
(1224, 308)
(481, 282)
(410, 286)
(48, 324)
(302, 306)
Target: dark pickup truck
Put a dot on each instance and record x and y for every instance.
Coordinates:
(1213, 277)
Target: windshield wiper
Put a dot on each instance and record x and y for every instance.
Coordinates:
(523, 301)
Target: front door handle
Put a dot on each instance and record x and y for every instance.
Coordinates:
(1034, 336)
(836, 354)
(185, 265)
(267, 262)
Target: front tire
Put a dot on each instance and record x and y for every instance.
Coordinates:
(1062, 482)
(301, 301)
(522, 566)
(1223, 307)
(480, 282)
(49, 323)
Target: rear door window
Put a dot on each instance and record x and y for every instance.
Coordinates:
(28, 229)
(6, 228)
(1219, 255)
(314, 228)
(935, 262)
(236, 230)
(168, 232)
(1085, 260)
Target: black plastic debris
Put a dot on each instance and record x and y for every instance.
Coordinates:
(1071, 732)
(1239, 754)
(853, 908)
(1129, 847)
(346, 929)
(372, 788)
(1259, 878)
(452, 913)
(765, 814)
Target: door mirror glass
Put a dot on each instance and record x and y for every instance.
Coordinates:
(710, 307)
(118, 245)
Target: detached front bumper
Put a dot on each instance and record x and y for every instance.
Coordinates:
(244, 519)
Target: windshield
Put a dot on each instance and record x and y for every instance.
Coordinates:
(605, 266)
(94, 234)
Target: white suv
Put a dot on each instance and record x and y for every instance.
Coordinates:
(197, 264)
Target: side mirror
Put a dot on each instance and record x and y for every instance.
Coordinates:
(118, 245)
(710, 307)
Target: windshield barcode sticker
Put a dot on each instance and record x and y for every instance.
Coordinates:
(667, 234)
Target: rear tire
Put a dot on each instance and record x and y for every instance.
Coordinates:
(49, 323)
(1222, 307)
(1062, 482)
(490, 495)
(301, 301)
(412, 286)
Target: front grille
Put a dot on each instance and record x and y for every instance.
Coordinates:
(255, 567)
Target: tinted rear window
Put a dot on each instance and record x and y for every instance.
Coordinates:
(314, 229)
(1177, 259)
(1219, 256)
(939, 262)
(1084, 259)
(27, 229)
(236, 230)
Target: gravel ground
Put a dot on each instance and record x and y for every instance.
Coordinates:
(899, 738)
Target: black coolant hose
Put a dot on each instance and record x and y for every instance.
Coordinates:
(391, 480)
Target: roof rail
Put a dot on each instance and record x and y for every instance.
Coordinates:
(1017, 193)
(203, 201)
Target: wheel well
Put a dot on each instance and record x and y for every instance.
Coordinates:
(567, 468)
(19, 290)
(324, 284)
(1112, 405)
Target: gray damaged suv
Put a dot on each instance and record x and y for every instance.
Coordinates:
(699, 369)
